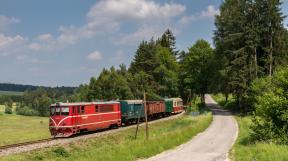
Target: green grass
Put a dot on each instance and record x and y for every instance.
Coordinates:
(16, 128)
(244, 150)
(121, 146)
(11, 93)
(2, 108)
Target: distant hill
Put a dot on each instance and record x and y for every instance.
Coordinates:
(22, 88)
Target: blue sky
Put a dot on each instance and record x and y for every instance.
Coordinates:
(55, 43)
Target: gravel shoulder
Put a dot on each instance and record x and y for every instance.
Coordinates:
(211, 145)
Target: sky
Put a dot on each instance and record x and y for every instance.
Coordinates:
(65, 43)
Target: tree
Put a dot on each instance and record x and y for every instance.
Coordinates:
(196, 68)
(168, 40)
(248, 51)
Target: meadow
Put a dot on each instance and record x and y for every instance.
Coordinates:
(122, 146)
(17, 128)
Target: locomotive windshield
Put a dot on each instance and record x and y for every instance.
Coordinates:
(64, 111)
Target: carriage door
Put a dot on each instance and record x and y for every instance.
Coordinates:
(74, 119)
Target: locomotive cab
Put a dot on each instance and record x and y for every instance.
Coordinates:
(60, 121)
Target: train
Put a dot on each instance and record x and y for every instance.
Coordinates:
(67, 119)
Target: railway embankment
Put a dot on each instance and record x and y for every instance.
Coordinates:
(117, 144)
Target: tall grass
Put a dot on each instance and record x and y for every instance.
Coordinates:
(121, 146)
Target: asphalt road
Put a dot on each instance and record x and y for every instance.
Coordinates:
(211, 145)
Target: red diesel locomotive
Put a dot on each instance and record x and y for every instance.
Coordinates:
(67, 119)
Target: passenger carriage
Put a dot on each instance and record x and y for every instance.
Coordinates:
(67, 119)
(177, 105)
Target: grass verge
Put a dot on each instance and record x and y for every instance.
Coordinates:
(17, 128)
(121, 146)
(244, 150)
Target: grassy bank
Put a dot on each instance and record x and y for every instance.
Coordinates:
(16, 128)
(246, 150)
(122, 146)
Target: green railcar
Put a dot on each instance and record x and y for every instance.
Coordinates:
(131, 110)
(168, 105)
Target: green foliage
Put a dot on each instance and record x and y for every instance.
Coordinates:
(8, 109)
(271, 114)
(246, 150)
(196, 68)
(246, 52)
(61, 152)
(154, 68)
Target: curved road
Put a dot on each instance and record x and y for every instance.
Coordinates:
(211, 145)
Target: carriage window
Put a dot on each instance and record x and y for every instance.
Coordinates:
(78, 109)
(106, 108)
(52, 111)
(96, 108)
(65, 111)
(57, 111)
(82, 109)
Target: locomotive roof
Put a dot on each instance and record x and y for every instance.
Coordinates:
(82, 103)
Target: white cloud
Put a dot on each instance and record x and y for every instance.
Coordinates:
(6, 21)
(107, 17)
(95, 56)
(11, 44)
(35, 46)
(45, 37)
(209, 13)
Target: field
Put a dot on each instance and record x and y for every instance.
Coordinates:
(244, 149)
(122, 146)
(16, 128)
(11, 93)
(2, 108)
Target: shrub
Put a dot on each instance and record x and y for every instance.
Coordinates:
(27, 111)
(8, 110)
(61, 152)
(271, 113)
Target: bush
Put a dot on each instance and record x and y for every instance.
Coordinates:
(271, 109)
(61, 152)
(26, 111)
(8, 110)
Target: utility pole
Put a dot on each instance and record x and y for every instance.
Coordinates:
(138, 120)
(146, 119)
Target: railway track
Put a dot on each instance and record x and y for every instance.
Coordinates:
(5, 147)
